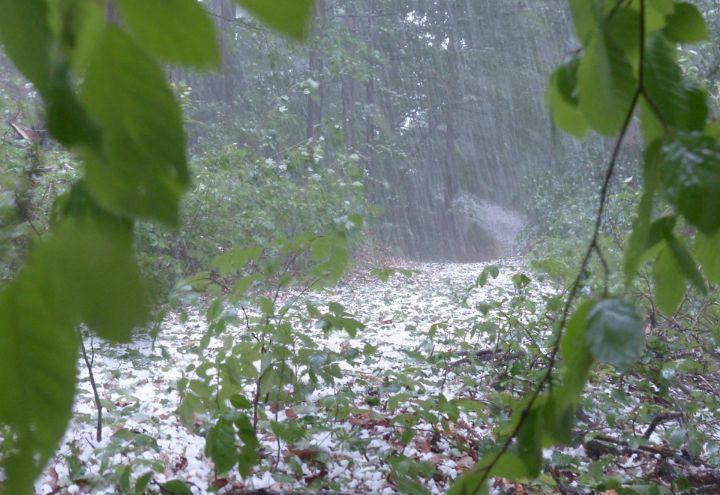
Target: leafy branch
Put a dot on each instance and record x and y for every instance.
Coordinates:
(476, 480)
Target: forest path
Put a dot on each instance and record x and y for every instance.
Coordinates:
(410, 373)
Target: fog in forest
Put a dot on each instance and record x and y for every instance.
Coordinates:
(437, 107)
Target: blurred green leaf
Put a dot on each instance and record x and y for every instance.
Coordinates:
(638, 241)
(690, 169)
(235, 259)
(176, 487)
(141, 170)
(686, 24)
(248, 455)
(606, 84)
(615, 333)
(586, 16)
(707, 249)
(178, 31)
(38, 355)
(680, 105)
(687, 264)
(26, 35)
(529, 442)
(562, 96)
(290, 17)
(668, 280)
(220, 445)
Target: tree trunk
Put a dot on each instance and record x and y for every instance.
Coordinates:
(315, 72)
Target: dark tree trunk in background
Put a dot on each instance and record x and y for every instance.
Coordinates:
(227, 79)
(348, 89)
(370, 92)
(315, 72)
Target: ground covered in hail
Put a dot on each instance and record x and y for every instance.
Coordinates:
(404, 403)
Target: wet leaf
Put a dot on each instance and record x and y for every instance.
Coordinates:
(606, 84)
(290, 17)
(707, 249)
(615, 333)
(178, 31)
(686, 24)
(220, 445)
(690, 170)
(562, 96)
(141, 170)
(668, 280)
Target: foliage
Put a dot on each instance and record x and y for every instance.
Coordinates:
(125, 122)
(291, 365)
(627, 61)
(242, 200)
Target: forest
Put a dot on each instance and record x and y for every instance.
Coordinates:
(418, 247)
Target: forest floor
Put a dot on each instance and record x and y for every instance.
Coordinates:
(417, 407)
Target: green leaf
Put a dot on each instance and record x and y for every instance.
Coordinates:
(330, 253)
(564, 110)
(178, 31)
(94, 278)
(274, 380)
(142, 483)
(660, 230)
(469, 484)
(28, 40)
(190, 405)
(406, 475)
(637, 243)
(488, 272)
(83, 25)
(576, 354)
(141, 170)
(510, 466)
(624, 28)
(679, 104)
(288, 431)
(248, 456)
(615, 333)
(713, 129)
(690, 172)
(176, 487)
(124, 480)
(38, 355)
(520, 280)
(26, 35)
(290, 17)
(686, 24)
(668, 280)
(707, 249)
(558, 418)
(559, 410)
(606, 84)
(235, 259)
(586, 16)
(529, 442)
(562, 96)
(240, 402)
(663, 7)
(220, 445)
(687, 264)
(215, 310)
(67, 120)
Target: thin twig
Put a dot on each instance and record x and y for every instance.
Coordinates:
(89, 365)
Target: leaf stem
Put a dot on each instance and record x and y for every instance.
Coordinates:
(89, 364)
